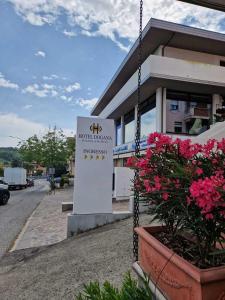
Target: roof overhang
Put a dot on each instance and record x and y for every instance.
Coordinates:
(151, 84)
(158, 33)
(214, 4)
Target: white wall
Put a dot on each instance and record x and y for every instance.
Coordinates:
(123, 183)
(216, 131)
(193, 56)
(188, 71)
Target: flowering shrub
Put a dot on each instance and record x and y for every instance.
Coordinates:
(184, 186)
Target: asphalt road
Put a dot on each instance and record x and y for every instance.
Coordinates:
(13, 216)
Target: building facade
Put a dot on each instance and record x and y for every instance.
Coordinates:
(183, 86)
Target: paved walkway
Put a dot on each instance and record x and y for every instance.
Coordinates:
(48, 224)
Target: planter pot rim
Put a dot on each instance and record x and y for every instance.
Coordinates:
(200, 275)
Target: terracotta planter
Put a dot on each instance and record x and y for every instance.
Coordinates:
(177, 278)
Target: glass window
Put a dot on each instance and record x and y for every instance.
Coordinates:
(178, 127)
(193, 113)
(118, 132)
(174, 105)
(129, 127)
(148, 117)
(222, 63)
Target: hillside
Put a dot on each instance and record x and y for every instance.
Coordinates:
(8, 154)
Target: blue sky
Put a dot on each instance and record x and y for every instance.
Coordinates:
(58, 56)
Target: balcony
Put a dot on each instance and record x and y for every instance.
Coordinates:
(197, 113)
(171, 73)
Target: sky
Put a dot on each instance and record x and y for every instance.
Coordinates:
(58, 56)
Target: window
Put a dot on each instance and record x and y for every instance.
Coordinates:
(187, 113)
(222, 63)
(148, 117)
(118, 132)
(129, 127)
(178, 127)
(174, 105)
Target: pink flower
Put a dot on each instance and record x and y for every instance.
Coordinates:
(159, 140)
(142, 163)
(199, 171)
(209, 216)
(130, 162)
(165, 196)
(147, 186)
(221, 145)
(205, 193)
(149, 153)
(187, 149)
(157, 183)
(208, 147)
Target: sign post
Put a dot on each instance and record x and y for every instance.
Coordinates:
(92, 203)
(94, 166)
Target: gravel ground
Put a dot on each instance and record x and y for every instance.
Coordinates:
(14, 215)
(59, 271)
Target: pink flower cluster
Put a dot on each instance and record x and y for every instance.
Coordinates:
(193, 172)
(206, 193)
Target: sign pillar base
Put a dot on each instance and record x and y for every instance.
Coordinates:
(78, 223)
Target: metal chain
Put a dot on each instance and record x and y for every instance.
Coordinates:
(137, 140)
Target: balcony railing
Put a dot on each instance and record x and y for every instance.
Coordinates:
(198, 112)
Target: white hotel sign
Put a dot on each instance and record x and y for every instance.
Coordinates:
(93, 166)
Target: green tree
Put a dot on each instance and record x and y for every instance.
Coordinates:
(30, 150)
(16, 163)
(52, 150)
(1, 171)
(71, 145)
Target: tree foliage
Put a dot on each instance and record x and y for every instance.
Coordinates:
(1, 170)
(52, 150)
(8, 154)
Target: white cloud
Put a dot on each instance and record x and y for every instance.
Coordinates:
(37, 19)
(66, 99)
(28, 106)
(73, 87)
(48, 86)
(41, 54)
(42, 91)
(54, 93)
(69, 132)
(7, 83)
(51, 90)
(13, 129)
(50, 77)
(115, 19)
(12, 125)
(87, 103)
(69, 33)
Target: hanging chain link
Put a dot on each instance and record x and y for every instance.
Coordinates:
(137, 140)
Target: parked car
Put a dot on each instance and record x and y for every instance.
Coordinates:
(4, 196)
(30, 182)
(3, 185)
